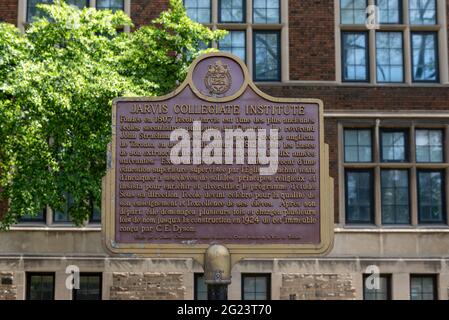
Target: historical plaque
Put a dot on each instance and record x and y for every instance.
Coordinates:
(218, 161)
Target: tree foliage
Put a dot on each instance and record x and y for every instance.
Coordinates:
(57, 82)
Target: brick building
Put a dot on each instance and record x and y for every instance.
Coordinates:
(386, 97)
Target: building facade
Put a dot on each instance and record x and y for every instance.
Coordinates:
(385, 90)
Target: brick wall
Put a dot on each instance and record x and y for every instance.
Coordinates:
(387, 99)
(143, 11)
(8, 11)
(312, 41)
(8, 290)
(317, 287)
(147, 286)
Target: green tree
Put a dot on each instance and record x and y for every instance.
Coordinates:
(57, 82)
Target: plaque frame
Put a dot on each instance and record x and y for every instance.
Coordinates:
(238, 251)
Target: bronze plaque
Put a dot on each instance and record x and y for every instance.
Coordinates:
(218, 161)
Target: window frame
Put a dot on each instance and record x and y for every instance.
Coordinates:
(437, 56)
(245, 43)
(401, 14)
(268, 278)
(210, 10)
(220, 20)
(28, 277)
(409, 199)
(196, 276)
(443, 145)
(388, 278)
(279, 64)
(434, 278)
(372, 199)
(109, 8)
(371, 141)
(423, 24)
(39, 221)
(443, 200)
(406, 133)
(265, 23)
(350, 24)
(367, 57)
(403, 57)
(89, 274)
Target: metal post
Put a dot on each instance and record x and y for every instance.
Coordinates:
(217, 272)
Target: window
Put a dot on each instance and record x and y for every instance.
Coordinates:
(357, 144)
(390, 60)
(359, 196)
(232, 11)
(95, 215)
(234, 42)
(256, 287)
(200, 287)
(423, 12)
(113, 5)
(355, 56)
(423, 287)
(90, 287)
(40, 217)
(40, 286)
(263, 31)
(33, 12)
(62, 215)
(198, 10)
(78, 3)
(267, 66)
(380, 293)
(394, 145)
(266, 11)
(385, 183)
(390, 11)
(424, 57)
(431, 198)
(407, 42)
(429, 145)
(353, 11)
(395, 197)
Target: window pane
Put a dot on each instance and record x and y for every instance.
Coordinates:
(422, 11)
(429, 145)
(40, 217)
(422, 287)
(389, 11)
(353, 11)
(33, 12)
(232, 11)
(359, 196)
(78, 3)
(95, 215)
(198, 10)
(358, 145)
(373, 293)
(389, 57)
(113, 5)
(266, 11)
(40, 286)
(200, 287)
(395, 197)
(355, 65)
(431, 198)
(267, 56)
(234, 42)
(256, 287)
(62, 215)
(394, 147)
(90, 287)
(424, 56)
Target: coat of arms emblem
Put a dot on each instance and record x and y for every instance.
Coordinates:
(218, 79)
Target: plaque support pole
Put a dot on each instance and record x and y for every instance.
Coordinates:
(217, 272)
